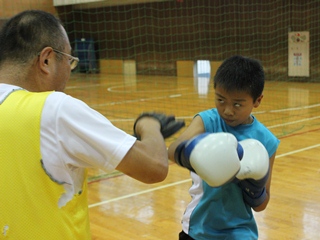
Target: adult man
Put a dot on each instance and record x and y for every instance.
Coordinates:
(48, 139)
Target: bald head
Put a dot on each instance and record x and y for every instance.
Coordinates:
(23, 36)
(31, 43)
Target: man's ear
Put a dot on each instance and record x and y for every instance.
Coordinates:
(258, 101)
(45, 59)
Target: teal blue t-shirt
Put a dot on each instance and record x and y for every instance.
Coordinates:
(221, 213)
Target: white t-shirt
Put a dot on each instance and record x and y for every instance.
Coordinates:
(73, 137)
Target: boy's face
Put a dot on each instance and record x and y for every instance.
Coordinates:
(235, 107)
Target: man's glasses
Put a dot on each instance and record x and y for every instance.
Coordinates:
(72, 60)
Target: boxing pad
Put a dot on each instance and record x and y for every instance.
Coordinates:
(214, 157)
(169, 124)
(254, 172)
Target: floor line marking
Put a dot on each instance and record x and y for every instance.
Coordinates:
(139, 193)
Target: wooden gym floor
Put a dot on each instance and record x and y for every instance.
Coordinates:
(125, 209)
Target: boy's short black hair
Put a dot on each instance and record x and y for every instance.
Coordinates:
(241, 74)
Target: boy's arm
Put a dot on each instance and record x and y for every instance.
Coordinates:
(266, 201)
(195, 128)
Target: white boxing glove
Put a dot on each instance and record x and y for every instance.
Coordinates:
(254, 172)
(214, 157)
(255, 160)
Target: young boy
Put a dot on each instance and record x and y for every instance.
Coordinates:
(225, 212)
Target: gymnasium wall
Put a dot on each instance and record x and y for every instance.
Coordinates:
(156, 35)
(8, 8)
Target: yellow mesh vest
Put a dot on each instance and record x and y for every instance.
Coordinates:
(28, 197)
